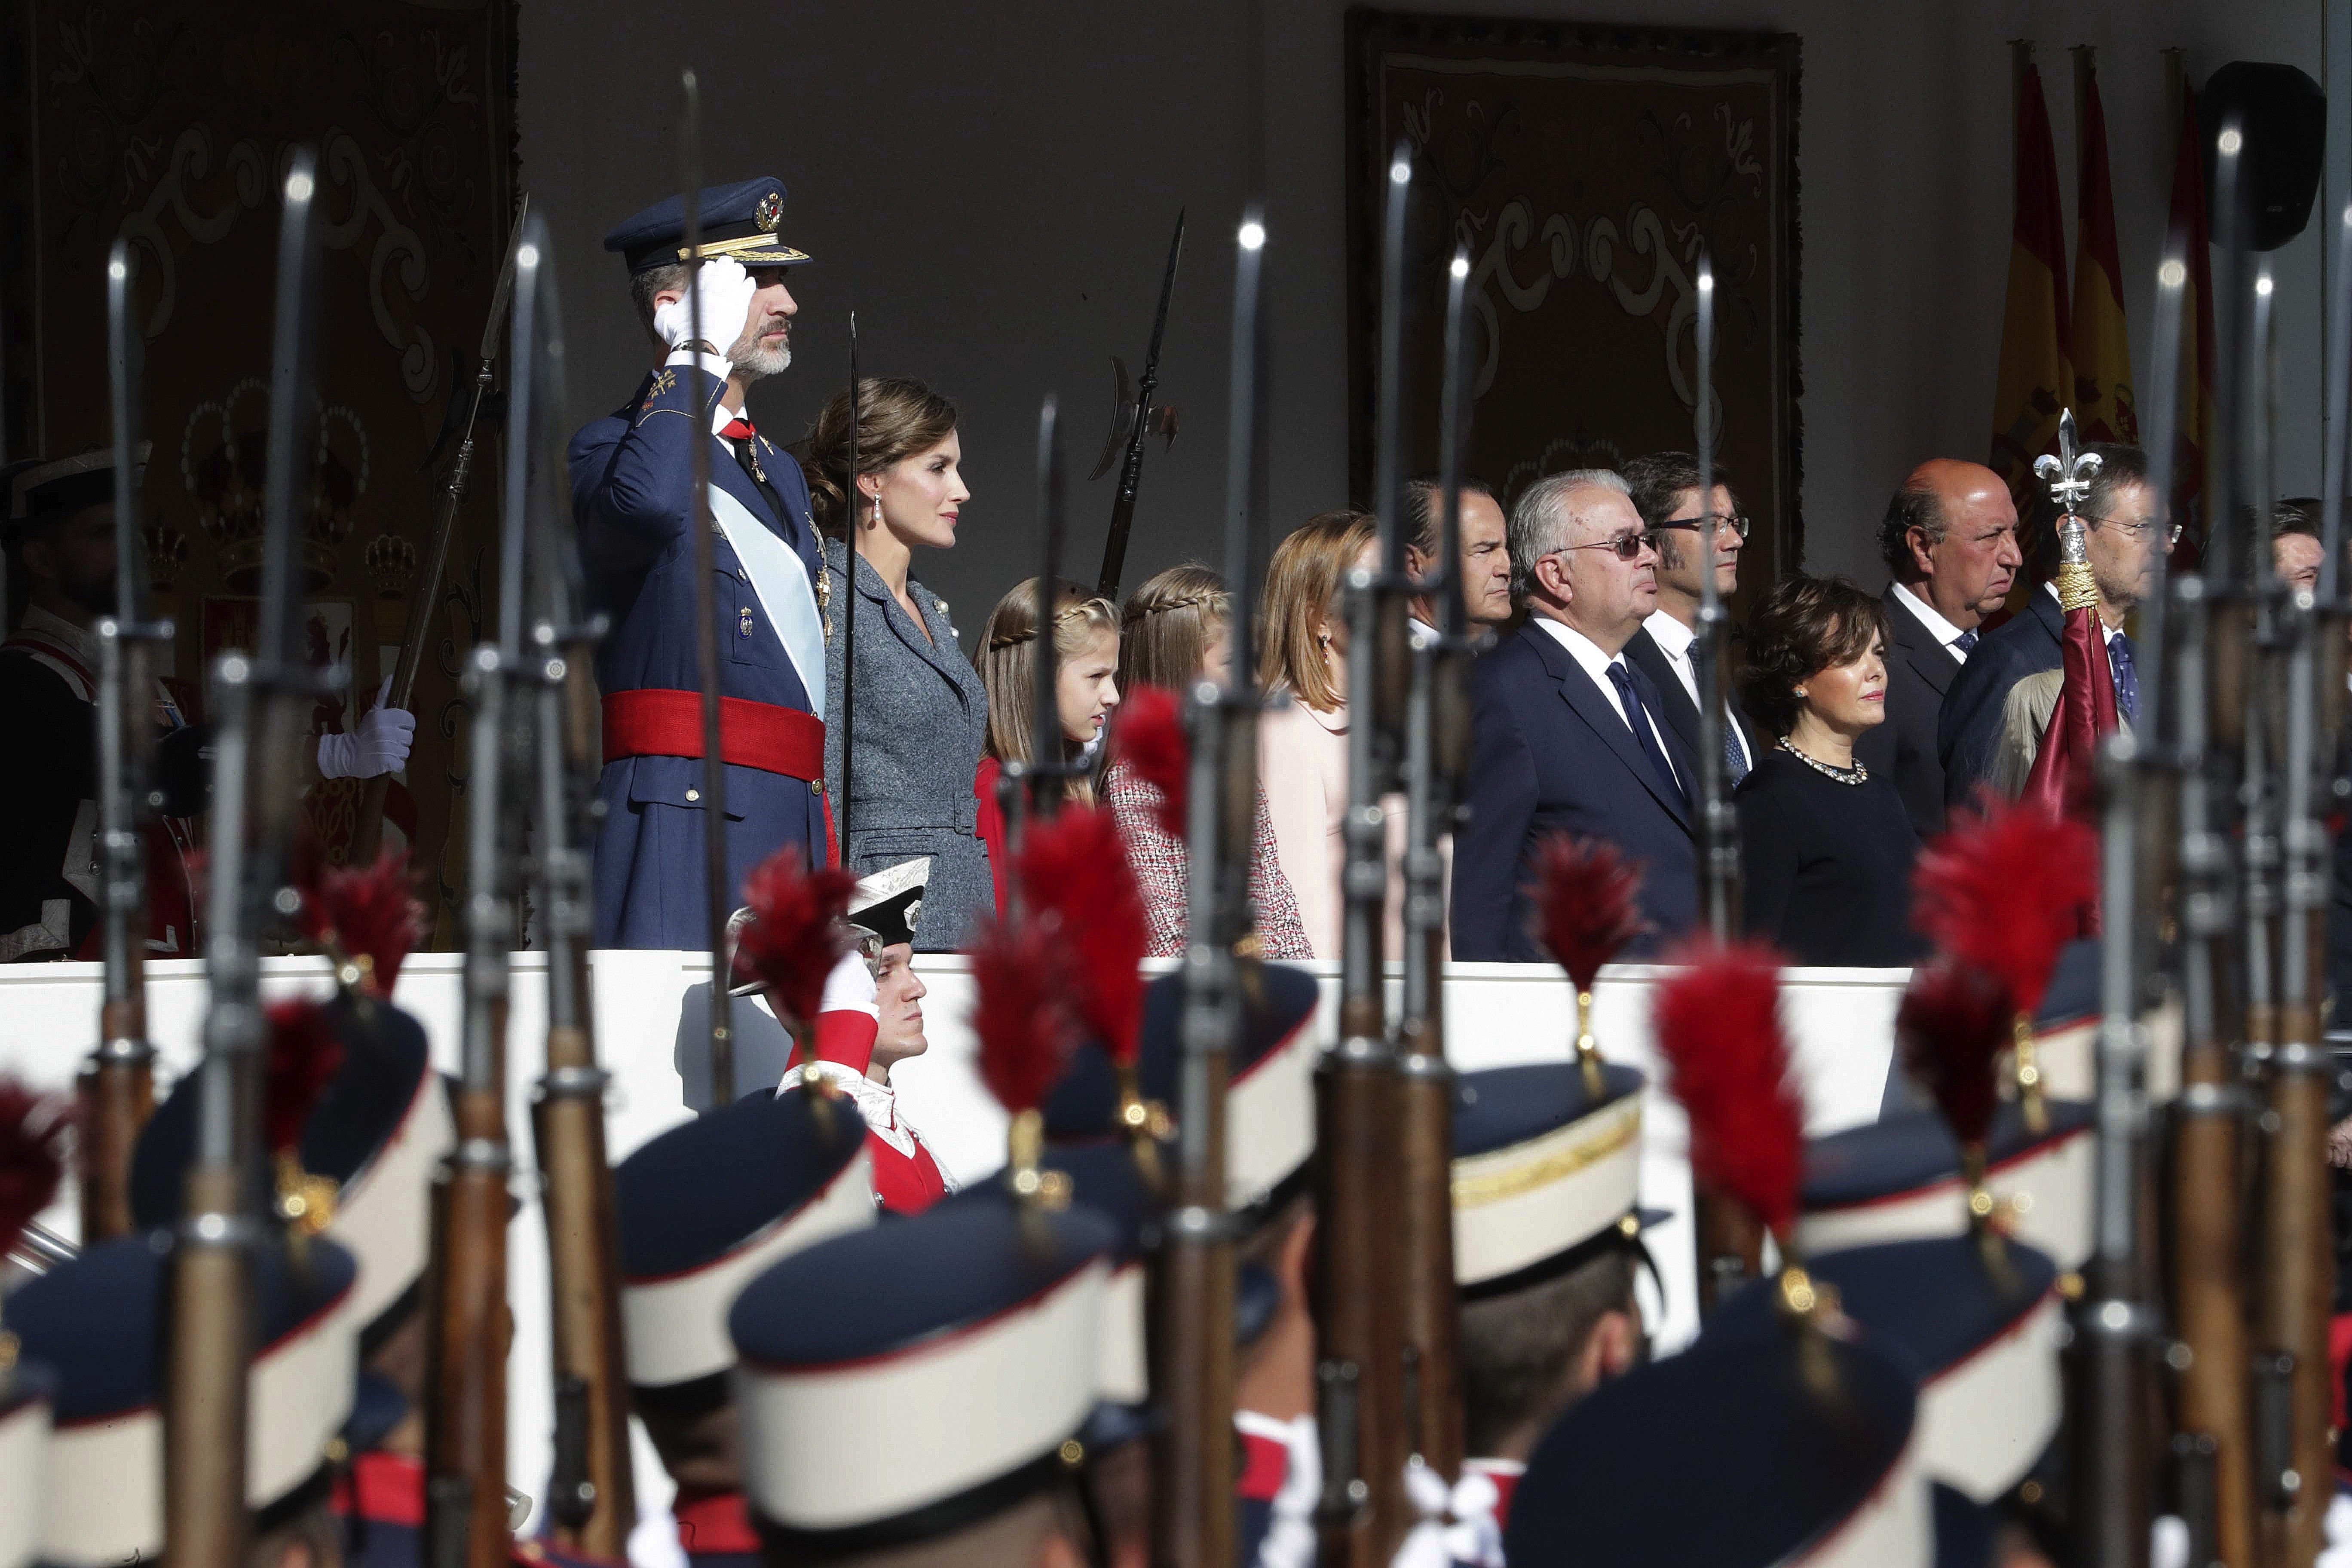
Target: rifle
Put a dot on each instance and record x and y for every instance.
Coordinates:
(848, 603)
(1192, 1343)
(118, 1081)
(467, 1313)
(1138, 423)
(1437, 741)
(367, 822)
(1730, 1244)
(591, 1498)
(1047, 770)
(210, 1337)
(1359, 1331)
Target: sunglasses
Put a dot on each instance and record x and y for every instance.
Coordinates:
(1735, 523)
(1624, 546)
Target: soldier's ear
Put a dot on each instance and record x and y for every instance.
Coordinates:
(1916, 538)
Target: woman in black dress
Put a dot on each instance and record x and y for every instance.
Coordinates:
(1825, 849)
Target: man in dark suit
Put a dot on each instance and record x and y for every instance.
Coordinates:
(1566, 736)
(2122, 524)
(1949, 539)
(1664, 487)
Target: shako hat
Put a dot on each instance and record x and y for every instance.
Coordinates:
(37, 489)
(738, 222)
(1270, 1099)
(982, 1317)
(376, 1136)
(98, 1323)
(886, 906)
(1545, 1172)
(710, 1204)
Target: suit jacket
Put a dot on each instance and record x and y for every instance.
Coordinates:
(1968, 734)
(1677, 709)
(1551, 754)
(920, 720)
(1901, 749)
(632, 495)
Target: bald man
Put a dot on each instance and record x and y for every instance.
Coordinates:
(1949, 539)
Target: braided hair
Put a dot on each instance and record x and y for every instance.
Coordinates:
(1008, 649)
(1165, 631)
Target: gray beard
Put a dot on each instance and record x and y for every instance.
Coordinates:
(757, 363)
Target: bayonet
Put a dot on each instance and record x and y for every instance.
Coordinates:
(854, 505)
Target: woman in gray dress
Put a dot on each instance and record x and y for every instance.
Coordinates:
(919, 712)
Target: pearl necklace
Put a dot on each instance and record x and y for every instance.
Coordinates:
(1856, 774)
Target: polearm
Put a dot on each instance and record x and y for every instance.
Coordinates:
(367, 822)
(1131, 473)
(1437, 739)
(1359, 1327)
(1195, 1525)
(118, 1081)
(211, 1332)
(467, 1313)
(591, 1497)
(717, 895)
(854, 505)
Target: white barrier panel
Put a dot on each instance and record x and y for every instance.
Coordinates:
(651, 1009)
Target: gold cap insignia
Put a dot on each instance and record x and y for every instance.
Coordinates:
(769, 213)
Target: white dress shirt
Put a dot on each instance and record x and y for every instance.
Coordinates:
(1927, 616)
(1673, 640)
(1596, 664)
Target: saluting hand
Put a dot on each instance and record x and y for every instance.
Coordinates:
(724, 290)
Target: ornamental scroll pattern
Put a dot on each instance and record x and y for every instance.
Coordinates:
(1585, 171)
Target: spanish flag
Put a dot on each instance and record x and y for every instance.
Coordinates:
(2193, 445)
(2101, 343)
(2036, 380)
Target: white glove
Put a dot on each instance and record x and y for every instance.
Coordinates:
(850, 987)
(380, 744)
(724, 290)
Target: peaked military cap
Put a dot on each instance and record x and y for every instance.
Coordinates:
(1982, 1346)
(738, 222)
(98, 1323)
(1726, 1456)
(791, 1172)
(37, 489)
(1545, 1172)
(377, 1134)
(886, 905)
(26, 1391)
(1270, 1107)
(1899, 1178)
(982, 1319)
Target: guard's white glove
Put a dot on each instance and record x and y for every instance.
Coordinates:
(725, 291)
(850, 987)
(379, 745)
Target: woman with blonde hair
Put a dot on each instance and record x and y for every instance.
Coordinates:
(1176, 630)
(1303, 744)
(919, 714)
(1086, 672)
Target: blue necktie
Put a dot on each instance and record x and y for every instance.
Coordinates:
(2126, 673)
(1735, 760)
(1637, 719)
(1966, 642)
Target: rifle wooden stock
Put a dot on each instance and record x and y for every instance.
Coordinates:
(2299, 1286)
(467, 1329)
(209, 1348)
(1432, 1308)
(1358, 1325)
(2209, 1289)
(1192, 1341)
(117, 1089)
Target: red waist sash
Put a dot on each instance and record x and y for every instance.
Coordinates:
(751, 734)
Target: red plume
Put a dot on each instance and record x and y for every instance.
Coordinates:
(33, 1133)
(1590, 903)
(1951, 1028)
(371, 911)
(304, 1055)
(1149, 737)
(2005, 890)
(1019, 1012)
(1718, 1025)
(1074, 875)
(795, 934)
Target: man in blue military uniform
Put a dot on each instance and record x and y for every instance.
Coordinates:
(633, 499)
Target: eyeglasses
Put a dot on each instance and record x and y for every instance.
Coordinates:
(2138, 530)
(1624, 546)
(1735, 523)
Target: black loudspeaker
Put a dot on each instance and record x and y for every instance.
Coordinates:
(2284, 116)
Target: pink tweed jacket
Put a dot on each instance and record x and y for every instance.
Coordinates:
(1161, 870)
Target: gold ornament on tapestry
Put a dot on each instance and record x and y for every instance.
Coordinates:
(223, 452)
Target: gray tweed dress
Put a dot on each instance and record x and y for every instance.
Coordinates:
(921, 719)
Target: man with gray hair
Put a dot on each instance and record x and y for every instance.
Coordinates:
(1565, 733)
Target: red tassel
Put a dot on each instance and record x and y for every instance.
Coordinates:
(795, 934)
(367, 911)
(34, 1130)
(1590, 903)
(1149, 736)
(1718, 1027)
(1076, 882)
(2005, 888)
(304, 1056)
(1953, 1025)
(1020, 1013)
